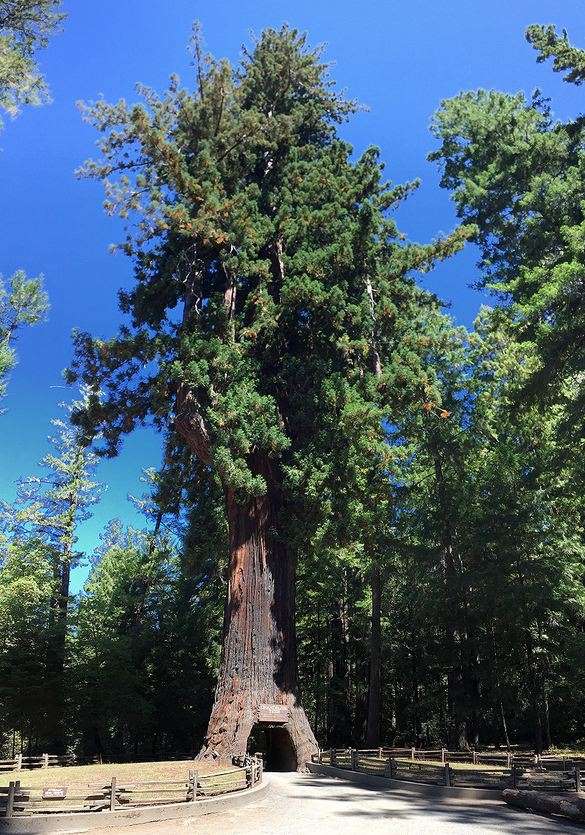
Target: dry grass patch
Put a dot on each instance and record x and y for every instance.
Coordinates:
(124, 772)
(456, 766)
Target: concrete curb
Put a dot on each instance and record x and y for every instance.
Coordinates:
(87, 821)
(426, 789)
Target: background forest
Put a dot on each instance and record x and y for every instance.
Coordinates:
(439, 539)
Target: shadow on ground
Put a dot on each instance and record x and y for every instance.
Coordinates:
(311, 804)
(367, 804)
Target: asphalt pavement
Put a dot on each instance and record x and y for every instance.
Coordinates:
(311, 804)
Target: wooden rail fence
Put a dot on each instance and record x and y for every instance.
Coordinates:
(17, 800)
(554, 774)
(21, 763)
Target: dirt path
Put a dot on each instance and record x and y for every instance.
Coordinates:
(309, 804)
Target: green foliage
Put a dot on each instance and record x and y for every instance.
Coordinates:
(517, 176)
(44, 518)
(22, 303)
(249, 216)
(495, 514)
(146, 643)
(483, 561)
(54, 503)
(117, 627)
(275, 318)
(50, 506)
(25, 27)
(567, 58)
(25, 594)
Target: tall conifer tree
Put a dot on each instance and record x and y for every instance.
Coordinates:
(260, 246)
(47, 511)
(516, 174)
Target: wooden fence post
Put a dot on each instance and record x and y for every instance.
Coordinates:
(333, 757)
(193, 786)
(447, 775)
(19, 762)
(514, 776)
(412, 753)
(113, 794)
(379, 753)
(474, 754)
(442, 755)
(354, 759)
(13, 786)
(45, 761)
(577, 778)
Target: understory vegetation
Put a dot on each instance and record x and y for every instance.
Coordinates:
(429, 477)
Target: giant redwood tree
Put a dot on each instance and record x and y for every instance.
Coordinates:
(267, 276)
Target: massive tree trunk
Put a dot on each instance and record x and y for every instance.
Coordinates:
(258, 670)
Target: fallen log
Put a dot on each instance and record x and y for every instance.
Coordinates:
(568, 806)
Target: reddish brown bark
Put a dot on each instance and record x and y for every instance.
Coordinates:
(258, 663)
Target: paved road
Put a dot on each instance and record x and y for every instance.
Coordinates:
(310, 804)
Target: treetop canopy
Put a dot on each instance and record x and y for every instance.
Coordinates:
(267, 272)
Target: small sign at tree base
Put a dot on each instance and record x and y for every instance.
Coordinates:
(273, 714)
(55, 793)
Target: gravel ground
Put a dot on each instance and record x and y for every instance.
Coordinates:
(310, 804)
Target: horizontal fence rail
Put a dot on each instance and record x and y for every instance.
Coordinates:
(439, 767)
(17, 800)
(495, 758)
(21, 763)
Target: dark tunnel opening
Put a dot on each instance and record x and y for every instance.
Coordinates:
(275, 745)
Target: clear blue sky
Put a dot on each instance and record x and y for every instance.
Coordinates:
(399, 58)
